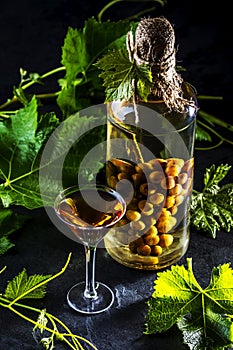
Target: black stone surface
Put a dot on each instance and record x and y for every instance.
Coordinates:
(31, 35)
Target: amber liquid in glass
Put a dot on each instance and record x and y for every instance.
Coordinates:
(79, 210)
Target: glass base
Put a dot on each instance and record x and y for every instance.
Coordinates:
(89, 306)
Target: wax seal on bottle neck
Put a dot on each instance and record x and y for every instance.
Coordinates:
(154, 45)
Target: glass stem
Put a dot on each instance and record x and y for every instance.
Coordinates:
(90, 253)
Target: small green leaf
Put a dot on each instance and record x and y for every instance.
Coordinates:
(214, 175)
(5, 245)
(21, 285)
(202, 135)
(211, 210)
(121, 77)
(74, 56)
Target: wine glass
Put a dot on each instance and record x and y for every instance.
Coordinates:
(89, 211)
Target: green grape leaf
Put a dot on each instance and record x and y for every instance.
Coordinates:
(80, 50)
(119, 73)
(203, 315)
(25, 177)
(211, 210)
(9, 223)
(21, 285)
(22, 138)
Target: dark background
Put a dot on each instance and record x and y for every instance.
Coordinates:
(32, 33)
(31, 36)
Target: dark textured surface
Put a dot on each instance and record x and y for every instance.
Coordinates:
(32, 33)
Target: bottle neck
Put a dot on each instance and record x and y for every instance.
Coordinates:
(154, 46)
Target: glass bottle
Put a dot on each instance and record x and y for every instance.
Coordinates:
(150, 146)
